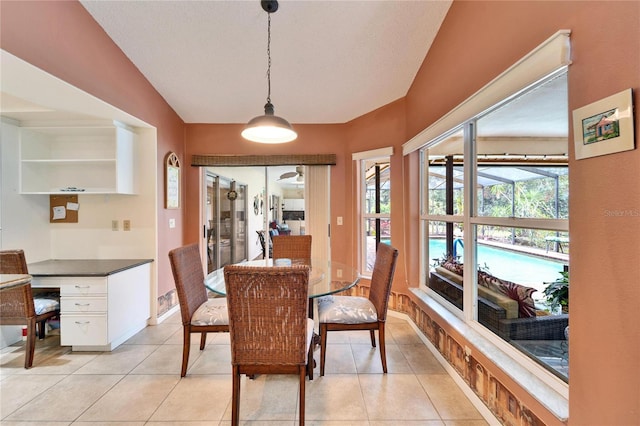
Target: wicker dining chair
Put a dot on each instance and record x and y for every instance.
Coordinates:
(337, 313)
(294, 247)
(268, 324)
(200, 314)
(19, 307)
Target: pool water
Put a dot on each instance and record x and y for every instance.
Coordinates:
(513, 266)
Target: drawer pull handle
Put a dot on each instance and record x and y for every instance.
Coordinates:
(83, 286)
(83, 322)
(83, 304)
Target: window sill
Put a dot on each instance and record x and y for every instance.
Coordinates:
(544, 393)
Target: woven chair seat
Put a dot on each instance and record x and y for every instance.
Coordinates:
(346, 310)
(42, 305)
(212, 312)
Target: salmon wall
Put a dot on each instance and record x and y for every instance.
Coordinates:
(477, 42)
(63, 39)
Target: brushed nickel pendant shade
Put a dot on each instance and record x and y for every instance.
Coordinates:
(269, 128)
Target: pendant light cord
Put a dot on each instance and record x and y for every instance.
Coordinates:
(269, 58)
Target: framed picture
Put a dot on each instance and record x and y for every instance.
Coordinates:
(604, 127)
(172, 181)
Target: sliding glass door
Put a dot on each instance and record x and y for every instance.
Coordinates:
(225, 222)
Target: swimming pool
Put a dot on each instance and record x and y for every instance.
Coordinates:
(509, 265)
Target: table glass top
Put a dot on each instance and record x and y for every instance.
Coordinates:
(325, 277)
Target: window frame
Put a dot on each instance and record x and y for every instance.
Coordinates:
(470, 221)
(360, 159)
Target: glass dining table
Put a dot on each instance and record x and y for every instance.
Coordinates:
(325, 277)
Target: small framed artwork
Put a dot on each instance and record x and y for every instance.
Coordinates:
(604, 127)
(172, 181)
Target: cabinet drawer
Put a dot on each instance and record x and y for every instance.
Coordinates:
(83, 286)
(83, 304)
(83, 330)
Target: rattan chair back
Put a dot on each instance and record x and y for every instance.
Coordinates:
(294, 247)
(13, 262)
(382, 278)
(17, 305)
(199, 313)
(268, 310)
(268, 325)
(189, 279)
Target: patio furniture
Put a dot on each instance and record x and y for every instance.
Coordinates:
(268, 323)
(499, 313)
(359, 313)
(199, 313)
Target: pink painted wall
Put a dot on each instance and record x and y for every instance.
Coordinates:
(62, 38)
(478, 40)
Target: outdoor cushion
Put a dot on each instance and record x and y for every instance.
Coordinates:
(346, 310)
(510, 305)
(212, 312)
(517, 292)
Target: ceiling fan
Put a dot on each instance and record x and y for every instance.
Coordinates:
(299, 173)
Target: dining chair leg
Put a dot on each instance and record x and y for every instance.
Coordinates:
(373, 338)
(235, 397)
(383, 352)
(31, 343)
(302, 396)
(310, 362)
(41, 329)
(203, 340)
(185, 349)
(323, 346)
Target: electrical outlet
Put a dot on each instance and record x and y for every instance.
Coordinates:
(114, 225)
(339, 273)
(339, 220)
(126, 225)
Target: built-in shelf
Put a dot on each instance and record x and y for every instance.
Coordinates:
(77, 159)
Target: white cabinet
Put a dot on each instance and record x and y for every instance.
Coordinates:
(294, 204)
(100, 313)
(82, 159)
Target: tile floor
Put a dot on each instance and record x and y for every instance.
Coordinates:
(139, 384)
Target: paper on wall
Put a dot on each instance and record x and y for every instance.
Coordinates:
(59, 212)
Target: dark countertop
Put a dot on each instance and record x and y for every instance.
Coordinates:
(82, 267)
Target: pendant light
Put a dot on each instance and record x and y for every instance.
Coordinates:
(269, 128)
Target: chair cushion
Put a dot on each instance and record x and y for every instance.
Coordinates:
(346, 310)
(44, 305)
(310, 331)
(212, 312)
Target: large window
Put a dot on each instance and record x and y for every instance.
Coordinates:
(495, 221)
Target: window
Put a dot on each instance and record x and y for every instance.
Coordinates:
(495, 220)
(375, 204)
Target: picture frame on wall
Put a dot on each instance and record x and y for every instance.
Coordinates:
(172, 181)
(604, 127)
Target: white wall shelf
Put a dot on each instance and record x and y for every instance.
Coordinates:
(77, 159)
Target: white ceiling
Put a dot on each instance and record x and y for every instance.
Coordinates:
(332, 61)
